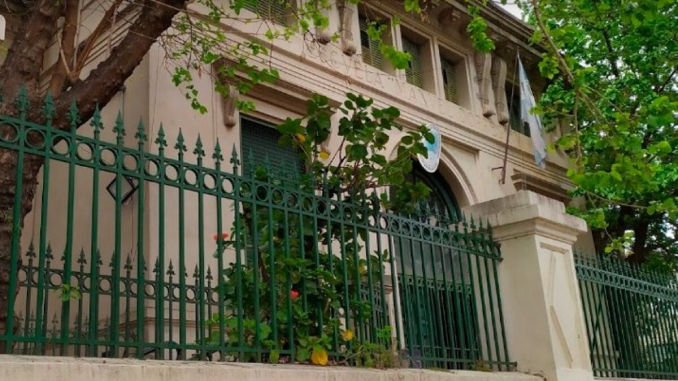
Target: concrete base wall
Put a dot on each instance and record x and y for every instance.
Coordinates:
(28, 368)
(626, 379)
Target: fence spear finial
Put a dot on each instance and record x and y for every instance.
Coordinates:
(199, 151)
(96, 122)
(180, 146)
(141, 134)
(73, 116)
(48, 109)
(217, 155)
(235, 161)
(119, 128)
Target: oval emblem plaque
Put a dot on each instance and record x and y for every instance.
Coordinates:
(430, 163)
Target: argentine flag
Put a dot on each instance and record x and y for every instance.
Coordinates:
(536, 131)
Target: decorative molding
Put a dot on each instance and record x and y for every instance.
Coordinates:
(449, 162)
(524, 181)
(499, 86)
(557, 249)
(324, 35)
(527, 213)
(567, 322)
(453, 19)
(483, 62)
(230, 107)
(347, 12)
(229, 104)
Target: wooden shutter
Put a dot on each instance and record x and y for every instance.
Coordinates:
(450, 80)
(259, 141)
(371, 48)
(414, 69)
(259, 144)
(273, 10)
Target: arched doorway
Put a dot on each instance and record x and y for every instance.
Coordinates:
(434, 282)
(441, 200)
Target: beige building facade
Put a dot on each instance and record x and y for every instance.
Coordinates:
(470, 97)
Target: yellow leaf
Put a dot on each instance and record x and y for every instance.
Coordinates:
(319, 357)
(301, 138)
(347, 335)
(324, 155)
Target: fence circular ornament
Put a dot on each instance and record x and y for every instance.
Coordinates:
(430, 163)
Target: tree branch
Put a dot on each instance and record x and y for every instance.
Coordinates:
(67, 48)
(105, 23)
(569, 76)
(610, 53)
(667, 81)
(106, 80)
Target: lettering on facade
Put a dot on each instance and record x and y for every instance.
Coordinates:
(356, 70)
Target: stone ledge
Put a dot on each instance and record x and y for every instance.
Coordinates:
(529, 213)
(30, 368)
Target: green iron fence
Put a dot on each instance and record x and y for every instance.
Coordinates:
(293, 273)
(631, 317)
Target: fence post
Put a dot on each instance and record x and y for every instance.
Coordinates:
(545, 327)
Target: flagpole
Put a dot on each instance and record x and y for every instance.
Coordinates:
(508, 124)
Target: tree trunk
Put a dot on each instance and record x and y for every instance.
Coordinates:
(8, 193)
(640, 233)
(23, 64)
(23, 67)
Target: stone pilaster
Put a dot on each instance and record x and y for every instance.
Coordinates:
(545, 327)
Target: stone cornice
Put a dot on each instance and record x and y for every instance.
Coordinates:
(503, 24)
(527, 213)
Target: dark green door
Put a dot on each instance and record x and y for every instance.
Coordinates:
(435, 289)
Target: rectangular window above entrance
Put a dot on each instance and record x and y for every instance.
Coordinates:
(270, 10)
(449, 80)
(414, 71)
(259, 142)
(260, 149)
(371, 52)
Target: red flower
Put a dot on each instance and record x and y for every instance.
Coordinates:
(223, 236)
(294, 294)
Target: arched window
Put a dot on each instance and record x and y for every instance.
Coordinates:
(436, 273)
(441, 200)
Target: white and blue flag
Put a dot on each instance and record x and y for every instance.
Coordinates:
(527, 102)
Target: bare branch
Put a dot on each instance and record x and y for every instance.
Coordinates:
(105, 23)
(106, 80)
(67, 48)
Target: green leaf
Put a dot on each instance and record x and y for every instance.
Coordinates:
(274, 356)
(265, 331)
(303, 354)
(412, 6)
(652, 209)
(399, 60)
(357, 152)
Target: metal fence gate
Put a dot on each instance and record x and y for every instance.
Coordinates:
(138, 246)
(631, 318)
